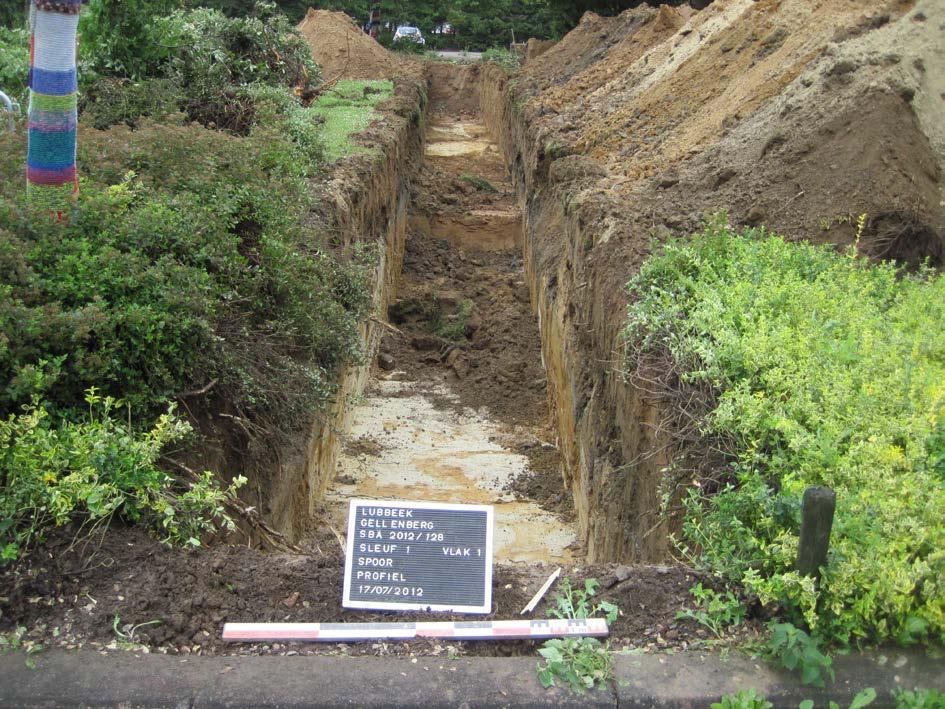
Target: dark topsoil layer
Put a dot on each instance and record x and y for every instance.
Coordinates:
(72, 596)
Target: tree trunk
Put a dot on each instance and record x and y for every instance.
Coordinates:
(52, 183)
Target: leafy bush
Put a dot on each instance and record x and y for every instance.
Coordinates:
(503, 57)
(454, 327)
(823, 370)
(200, 60)
(118, 38)
(862, 699)
(186, 263)
(217, 55)
(14, 63)
(407, 46)
(110, 100)
(96, 468)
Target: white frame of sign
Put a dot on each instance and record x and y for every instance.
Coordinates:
(346, 601)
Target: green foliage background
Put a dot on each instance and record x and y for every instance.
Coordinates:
(14, 64)
(828, 371)
(188, 272)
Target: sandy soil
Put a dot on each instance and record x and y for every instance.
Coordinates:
(344, 51)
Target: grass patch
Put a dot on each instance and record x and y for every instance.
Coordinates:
(347, 109)
(480, 183)
(813, 367)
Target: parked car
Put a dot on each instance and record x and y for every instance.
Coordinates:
(445, 28)
(409, 33)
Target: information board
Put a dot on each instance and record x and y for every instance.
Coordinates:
(419, 556)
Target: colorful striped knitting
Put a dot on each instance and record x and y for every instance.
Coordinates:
(51, 173)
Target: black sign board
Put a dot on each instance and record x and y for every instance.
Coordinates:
(419, 556)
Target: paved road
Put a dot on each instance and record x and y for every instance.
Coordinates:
(455, 55)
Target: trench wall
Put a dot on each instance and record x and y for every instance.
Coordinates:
(608, 432)
(368, 203)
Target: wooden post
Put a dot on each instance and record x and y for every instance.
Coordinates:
(817, 511)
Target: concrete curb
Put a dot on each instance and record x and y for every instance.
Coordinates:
(85, 678)
(698, 679)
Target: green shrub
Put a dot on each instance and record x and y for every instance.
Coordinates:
(454, 326)
(118, 38)
(503, 57)
(109, 101)
(199, 60)
(822, 369)
(218, 55)
(186, 263)
(93, 469)
(863, 698)
(14, 64)
(406, 46)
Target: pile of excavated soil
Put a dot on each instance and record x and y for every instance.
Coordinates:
(792, 114)
(342, 50)
(795, 115)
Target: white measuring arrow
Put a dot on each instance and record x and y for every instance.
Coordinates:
(541, 592)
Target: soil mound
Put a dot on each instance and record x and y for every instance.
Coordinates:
(791, 114)
(343, 50)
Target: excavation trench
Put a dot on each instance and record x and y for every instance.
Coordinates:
(455, 409)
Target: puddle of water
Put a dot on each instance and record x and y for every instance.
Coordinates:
(427, 452)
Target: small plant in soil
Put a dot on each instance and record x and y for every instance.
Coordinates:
(794, 649)
(584, 663)
(744, 699)
(919, 699)
(862, 699)
(125, 633)
(454, 326)
(480, 183)
(716, 610)
(17, 640)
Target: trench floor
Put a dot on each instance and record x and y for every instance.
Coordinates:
(456, 409)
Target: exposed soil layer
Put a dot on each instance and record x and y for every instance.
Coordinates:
(459, 401)
(794, 115)
(498, 365)
(70, 599)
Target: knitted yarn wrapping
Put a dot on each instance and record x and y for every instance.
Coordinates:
(50, 163)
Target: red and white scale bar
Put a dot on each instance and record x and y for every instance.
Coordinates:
(459, 630)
